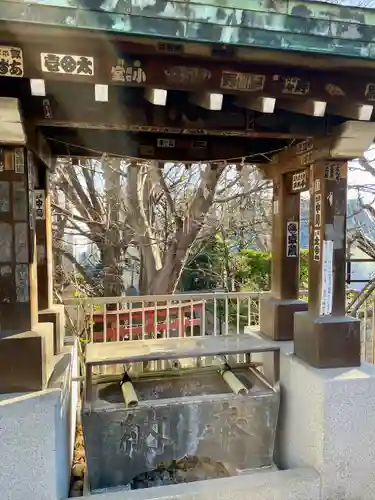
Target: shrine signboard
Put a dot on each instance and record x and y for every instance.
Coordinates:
(67, 64)
(118, 66)
(11, 61)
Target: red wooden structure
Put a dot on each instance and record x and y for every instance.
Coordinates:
(148, 322)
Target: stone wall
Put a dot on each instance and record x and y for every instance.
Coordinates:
(36, 437)
(278, 485)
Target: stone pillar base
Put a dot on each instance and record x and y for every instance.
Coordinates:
(277, 317)
(26, 360)
(37, 437)
(327, 421)
(327, 341)
(56, 316)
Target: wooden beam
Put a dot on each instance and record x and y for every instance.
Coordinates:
(157, 97)
(67, 142)
(38, 144)
(361, 112)
(261, 104)
(309, 107)
(112, 63)
(347, 141)
(207, 100)
(128, 110)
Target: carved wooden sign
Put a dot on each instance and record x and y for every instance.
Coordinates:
(249, 82)
(299, 181)
(317, 210)
(128, 72)
(316, 244)
(67, 64)
(187, 75)
(292, 236)
(40, 201)
(332, 170)
(11, 61)
(166, 143)
(304, 147)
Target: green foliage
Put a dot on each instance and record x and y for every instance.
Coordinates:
(219, 265)
(204, 272)
(304, 269)
(253, 270)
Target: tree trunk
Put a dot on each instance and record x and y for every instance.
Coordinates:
(113, 283)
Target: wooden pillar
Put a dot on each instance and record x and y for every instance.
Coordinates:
(26, 346)
(43, 229)
(48, 311)
(324, 336)
(277, 310)
(18, 274)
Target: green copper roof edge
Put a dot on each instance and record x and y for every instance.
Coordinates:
(289, 46)
(196, 30)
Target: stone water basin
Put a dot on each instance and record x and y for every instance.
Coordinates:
(194, 415)
(184, 418)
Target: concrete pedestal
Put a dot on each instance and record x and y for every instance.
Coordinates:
(277, 317)
(327, 422)
(26, 360)
(36, 436)
(56, 316)
(327, 341)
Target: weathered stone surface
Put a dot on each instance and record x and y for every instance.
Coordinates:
(32, 352)
(327, 421)
(170, 424)
(56, 316)
(327, 341)
(277, 317)
(294, 484)
(35, 450)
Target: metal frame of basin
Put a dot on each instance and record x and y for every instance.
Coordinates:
(226, 415)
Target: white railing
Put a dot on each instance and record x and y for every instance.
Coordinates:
(122, 318)
(105, 319)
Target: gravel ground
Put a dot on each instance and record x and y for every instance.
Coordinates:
(79, 465)
(186, 470)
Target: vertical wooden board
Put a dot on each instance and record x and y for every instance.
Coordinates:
(22, 282)
(6, 242)
(20, 211)
(41, 253)
(6, 284)
(4, 197)
(19, 161)
(21, 237)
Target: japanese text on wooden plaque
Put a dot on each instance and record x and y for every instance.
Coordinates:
(40, 201)
(292, 239)
(67, 64)
(11, 61)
